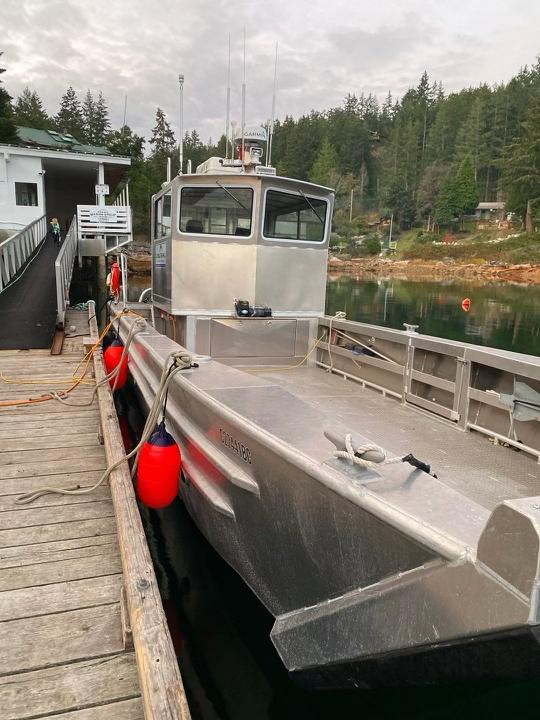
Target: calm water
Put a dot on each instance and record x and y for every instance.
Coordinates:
(501, 315)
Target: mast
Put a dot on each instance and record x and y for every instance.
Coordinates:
(228, 112)
(244, 100)
(181, 144)
(271, 133)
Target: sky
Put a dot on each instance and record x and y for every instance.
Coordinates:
(326, 49)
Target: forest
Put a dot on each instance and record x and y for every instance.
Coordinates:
(428, 157)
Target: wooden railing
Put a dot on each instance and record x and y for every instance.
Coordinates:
(63, 267)
(16, 250)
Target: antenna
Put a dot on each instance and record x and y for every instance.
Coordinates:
(269, 149)
(244, 100)
(181, 146)
(125, 111)
(228, 113)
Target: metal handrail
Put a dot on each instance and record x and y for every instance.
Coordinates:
(63, 268)
(15, 250)
(451, 394)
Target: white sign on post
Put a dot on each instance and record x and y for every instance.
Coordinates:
(105, 215)
(102, 189)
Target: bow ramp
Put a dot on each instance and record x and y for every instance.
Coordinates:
(35, 275)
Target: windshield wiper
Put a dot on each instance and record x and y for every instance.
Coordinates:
(319, 218)
(239, 202)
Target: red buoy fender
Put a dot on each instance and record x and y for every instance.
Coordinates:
(466, 304)
(158, 469)
(111, 358)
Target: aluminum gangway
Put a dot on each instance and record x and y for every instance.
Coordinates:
(34, 285)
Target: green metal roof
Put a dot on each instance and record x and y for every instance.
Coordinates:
(53, 140)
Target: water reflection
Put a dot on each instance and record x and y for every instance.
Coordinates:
(501, 315)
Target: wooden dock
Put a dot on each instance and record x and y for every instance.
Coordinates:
(82, 629)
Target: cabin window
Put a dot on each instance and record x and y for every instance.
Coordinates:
(162, 216)
(216, 210)
(26, 194)
(289, 216)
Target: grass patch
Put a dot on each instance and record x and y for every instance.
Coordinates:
(475, 249)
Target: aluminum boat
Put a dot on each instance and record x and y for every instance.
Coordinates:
(377, 489)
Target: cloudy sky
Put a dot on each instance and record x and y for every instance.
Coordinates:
(327, 48)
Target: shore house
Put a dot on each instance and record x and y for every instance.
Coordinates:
(51, 173)
(490, 211)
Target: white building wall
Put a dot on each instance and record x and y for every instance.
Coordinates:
(18, 168)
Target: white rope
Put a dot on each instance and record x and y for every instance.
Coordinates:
(339, 314)
(356, 456)
(137, 327)
(181, 361)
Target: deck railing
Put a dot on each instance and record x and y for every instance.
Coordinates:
(64, 269)
(454, 381)
(15, 251)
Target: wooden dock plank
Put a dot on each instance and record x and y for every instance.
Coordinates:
(7, 502)
(122, 710)
(47, 640)
(46, 552)
(55, 514)
(92, 459)
(46, 428)
(19, 485)
(46, 573)
(84, 438)
(57, 531)
(42, 456)
(69, 687)
(70, 595)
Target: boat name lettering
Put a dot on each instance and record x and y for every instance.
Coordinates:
(239, 448)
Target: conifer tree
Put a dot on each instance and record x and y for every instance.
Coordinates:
(29, 111)
(466, 192)
(324, 170)
(70, 118)
(101, 125)
(162, 139)
(87, 110)
(126, 142)
(8, 131)
(522, 168)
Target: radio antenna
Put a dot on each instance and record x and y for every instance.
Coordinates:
(125, 110)
(244, 100)
(228, 112)
(269, 153)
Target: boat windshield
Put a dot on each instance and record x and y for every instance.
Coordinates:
(216, 210)
(289, 216)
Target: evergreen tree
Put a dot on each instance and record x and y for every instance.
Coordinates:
(70, 118)
(400, 201)
(29, 111)
(87, 110)
(446, 207)
(465, 190)
(162, 139)
(8, 131)
(522, 168)
(96, 119)
(126, 142)
(325, 168)
(101, 125)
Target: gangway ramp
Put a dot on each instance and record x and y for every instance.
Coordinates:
(35, 286)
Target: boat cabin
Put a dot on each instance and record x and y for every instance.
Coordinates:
(225, 234)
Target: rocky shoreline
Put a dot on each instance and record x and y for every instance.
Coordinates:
(435, 270)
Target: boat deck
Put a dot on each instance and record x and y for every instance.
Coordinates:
(467, 462)
(72, 648)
